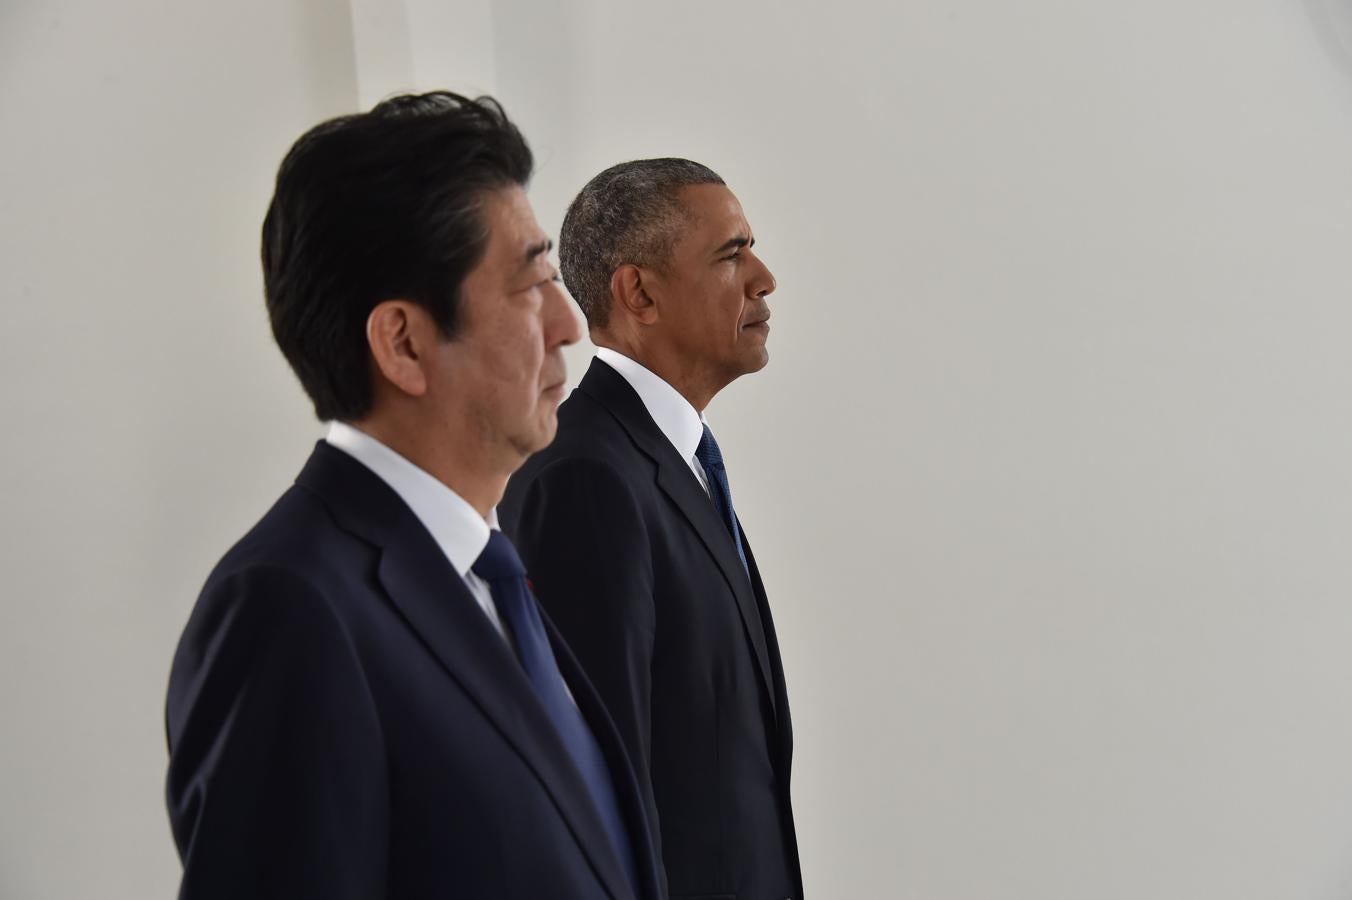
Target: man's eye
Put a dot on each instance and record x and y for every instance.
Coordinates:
(737, 255)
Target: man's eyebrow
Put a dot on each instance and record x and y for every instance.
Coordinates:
(737, 243)
(533, 252)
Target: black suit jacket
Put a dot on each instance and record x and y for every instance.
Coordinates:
(344, 722)
(627, 552)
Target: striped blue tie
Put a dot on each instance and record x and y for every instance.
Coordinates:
(711, 458)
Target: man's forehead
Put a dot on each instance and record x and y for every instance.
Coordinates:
(514, 234)
(714, 213)
(710, 199)
(512, 212)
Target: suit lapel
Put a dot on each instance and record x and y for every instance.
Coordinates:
(776, 664)
(462, 639)
(438, 606)
(608, 388)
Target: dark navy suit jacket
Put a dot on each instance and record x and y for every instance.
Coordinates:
(630, 557)
(344, 722)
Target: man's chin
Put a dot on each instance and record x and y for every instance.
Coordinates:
(757, 360)
(539, 437)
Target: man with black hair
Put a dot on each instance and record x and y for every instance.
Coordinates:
(627, 524)
(366, 701)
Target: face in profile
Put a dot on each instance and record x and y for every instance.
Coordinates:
(713, 287)
(506, 357)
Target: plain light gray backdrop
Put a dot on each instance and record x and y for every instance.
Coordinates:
(1051, 470)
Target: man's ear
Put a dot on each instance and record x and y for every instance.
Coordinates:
(397, 332)
(630, 288)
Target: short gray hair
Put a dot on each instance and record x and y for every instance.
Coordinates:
(629, 214)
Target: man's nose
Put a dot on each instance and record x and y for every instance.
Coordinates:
(567, 329)
(764, 282)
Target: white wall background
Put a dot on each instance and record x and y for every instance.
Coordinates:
(1049, 472)
(146, 416)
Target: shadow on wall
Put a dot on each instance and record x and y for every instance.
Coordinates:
(1332, 21)
(529, 37)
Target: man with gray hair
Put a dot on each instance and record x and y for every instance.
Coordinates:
(627, 527)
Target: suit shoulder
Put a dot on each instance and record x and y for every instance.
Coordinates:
(297, 535)
(592, 458)
(287, 577)
(295, 565)
(587, 431)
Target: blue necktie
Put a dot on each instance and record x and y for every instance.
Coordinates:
(711, 459)
(500, 566)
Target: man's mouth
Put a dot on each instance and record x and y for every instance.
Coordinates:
(555, 385)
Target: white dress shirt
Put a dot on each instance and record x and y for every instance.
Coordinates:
(460, 532)
(675, 417)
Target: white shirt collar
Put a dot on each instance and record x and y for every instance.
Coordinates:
(458, 529)
(675, 417)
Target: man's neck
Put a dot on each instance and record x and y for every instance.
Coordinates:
(687, 378)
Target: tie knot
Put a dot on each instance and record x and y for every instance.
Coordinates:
(708, 454)
(498, 561)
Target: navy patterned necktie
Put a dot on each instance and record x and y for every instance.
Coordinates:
(500, 566)
(711, 459)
